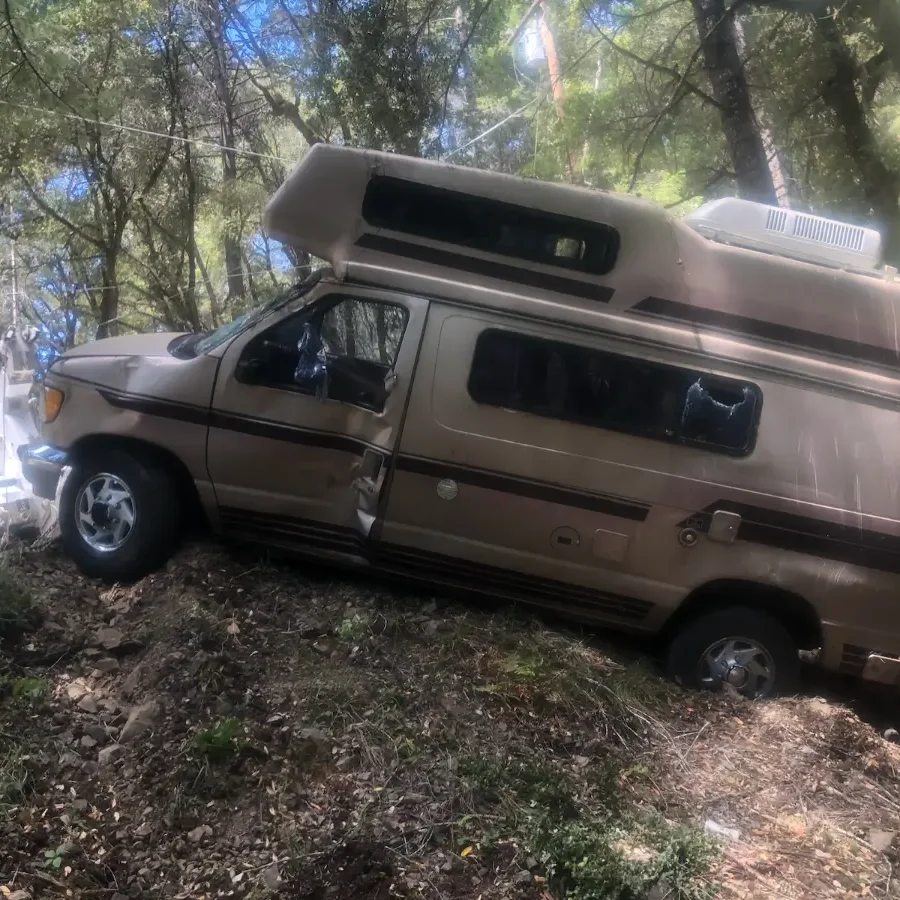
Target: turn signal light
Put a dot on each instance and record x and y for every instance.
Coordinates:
(53, 401)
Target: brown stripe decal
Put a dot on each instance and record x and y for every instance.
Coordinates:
(487, 268)
(535, 490)
(517, 585)
(298, 534)
(278, 431)
(290, 532)
(802, 534)
(770, 331)
(265, 428)
(153, 406)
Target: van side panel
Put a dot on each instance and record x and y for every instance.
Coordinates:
(551, 503)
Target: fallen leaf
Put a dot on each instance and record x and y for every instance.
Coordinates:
(466, 851)
(233, 628)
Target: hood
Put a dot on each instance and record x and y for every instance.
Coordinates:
(153, 344)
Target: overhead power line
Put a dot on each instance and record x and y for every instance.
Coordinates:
(135, 130)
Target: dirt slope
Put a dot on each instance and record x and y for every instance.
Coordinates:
(234, 728)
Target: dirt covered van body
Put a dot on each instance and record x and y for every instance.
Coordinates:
(535, 391)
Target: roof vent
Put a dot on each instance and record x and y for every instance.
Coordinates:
(788, 233)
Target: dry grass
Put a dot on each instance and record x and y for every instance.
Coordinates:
(447, 743)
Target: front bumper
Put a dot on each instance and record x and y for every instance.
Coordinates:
(42, 464)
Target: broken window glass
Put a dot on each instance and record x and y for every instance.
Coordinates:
(618, 393)
(344, 351)
(719, 415)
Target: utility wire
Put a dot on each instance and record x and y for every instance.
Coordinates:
(147, 132)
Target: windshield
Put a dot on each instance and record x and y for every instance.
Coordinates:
(215, 338)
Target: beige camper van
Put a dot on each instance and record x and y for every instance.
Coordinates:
(534, 391)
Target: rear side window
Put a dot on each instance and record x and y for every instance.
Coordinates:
(613, 392)
(490, 225)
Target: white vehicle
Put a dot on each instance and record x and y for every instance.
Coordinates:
(19, 508)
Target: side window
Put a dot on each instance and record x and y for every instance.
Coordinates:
(343, 351)
(493, 226)
(617, 393)
(364, 330)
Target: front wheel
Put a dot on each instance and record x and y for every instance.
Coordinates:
(746, 649)
(119, 515)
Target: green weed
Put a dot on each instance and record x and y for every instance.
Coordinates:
(30, 691)
(14, 775)
(352, 629)
(221, 742)
(591, 847)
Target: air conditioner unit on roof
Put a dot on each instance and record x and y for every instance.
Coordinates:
(772, 229)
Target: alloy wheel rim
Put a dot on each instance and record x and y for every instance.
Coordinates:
(744, 664)
(105, 512)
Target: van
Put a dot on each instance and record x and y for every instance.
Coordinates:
(534, 391)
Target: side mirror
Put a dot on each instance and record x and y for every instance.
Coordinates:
(390, 382)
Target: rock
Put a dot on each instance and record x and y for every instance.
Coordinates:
(109, 638)
(315, 740)
(197, 834)
(68, 849)
(881, 840)
(662, 890)
(892, 735)
(140, 720)
(324, 648)
(271, 878)
(430, 608)
(132, 682)
(531, 862)
(88, 741)
(110, 754)
(76, 690)
(582, 761)
(713, 827)
(522, 878)
(19, 895)
(412, 798)
(107, 664)
(88, 704)
(97, 732)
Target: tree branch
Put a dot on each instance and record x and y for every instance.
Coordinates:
(674, 74)
(53, 214)
(462, 50)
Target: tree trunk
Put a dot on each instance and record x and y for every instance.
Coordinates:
(718, 41)
(108, 326)
(215, 32)
(881, 184)
(190, 298)
(556, 79)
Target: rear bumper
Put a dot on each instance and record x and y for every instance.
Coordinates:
(42, 465)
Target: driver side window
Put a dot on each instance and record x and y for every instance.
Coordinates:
(364, 330)
(343, 352)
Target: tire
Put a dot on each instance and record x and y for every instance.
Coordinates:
(154, 505)
(688, 664)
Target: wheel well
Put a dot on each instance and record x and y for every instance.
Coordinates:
(795, 613)
(84, 448)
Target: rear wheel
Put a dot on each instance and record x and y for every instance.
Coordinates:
(741, 647)
(119, 515)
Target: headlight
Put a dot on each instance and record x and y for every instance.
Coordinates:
(53, 401)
